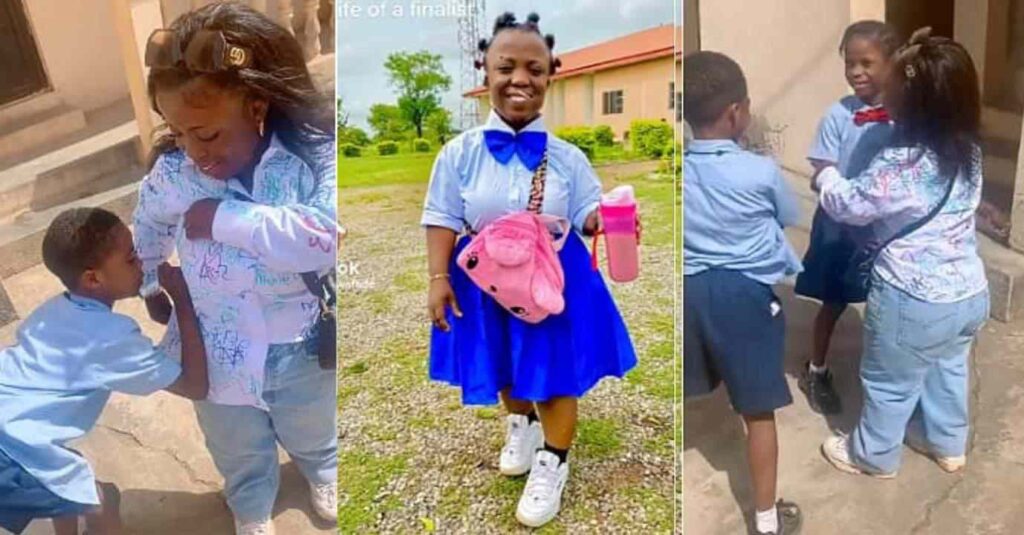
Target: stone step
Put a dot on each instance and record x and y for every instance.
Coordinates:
(21, 239)
(37, 129)
(1004, 267)
(34, 106)
(85, 168)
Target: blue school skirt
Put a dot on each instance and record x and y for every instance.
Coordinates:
(828, 258)
(23, 498)
(565, 355)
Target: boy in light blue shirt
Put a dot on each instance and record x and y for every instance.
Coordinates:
(736, 204)
(71, 353)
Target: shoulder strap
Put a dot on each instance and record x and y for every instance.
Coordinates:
(537, 188)
(907, 230)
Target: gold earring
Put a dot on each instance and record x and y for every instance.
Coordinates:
(261, 127)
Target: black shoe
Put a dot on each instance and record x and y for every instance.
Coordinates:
(821, 395)
(790, 519)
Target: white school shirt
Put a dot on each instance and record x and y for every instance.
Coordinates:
(70, 354)
(245, 282)
(850, 147)
(468, 186)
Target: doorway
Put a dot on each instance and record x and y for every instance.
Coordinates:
(21, 71)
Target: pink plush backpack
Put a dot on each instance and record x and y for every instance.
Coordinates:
(515, 261)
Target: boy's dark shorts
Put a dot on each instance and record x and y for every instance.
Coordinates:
(734, 332)
(23, 498)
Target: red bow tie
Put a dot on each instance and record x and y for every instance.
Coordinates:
(873, 115)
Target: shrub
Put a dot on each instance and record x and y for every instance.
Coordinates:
(385, 148)
(604, 136)
(672, 159)
(349, 150)
(650, 137)
(580, 136)
(420, 145)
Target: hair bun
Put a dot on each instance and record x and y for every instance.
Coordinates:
(533, 17)
(921, 36)
(505, 20)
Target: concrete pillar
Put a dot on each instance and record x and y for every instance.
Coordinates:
(134, 21)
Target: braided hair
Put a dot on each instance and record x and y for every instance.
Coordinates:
(507, 21)
(939, 102)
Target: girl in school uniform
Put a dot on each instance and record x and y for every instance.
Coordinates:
(538, 370)
(243, 188)
(928, 295)
(851, 133)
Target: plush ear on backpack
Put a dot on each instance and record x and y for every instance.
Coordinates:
(545, 293)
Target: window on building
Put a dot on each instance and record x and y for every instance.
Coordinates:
(671, 95)
(613, 102)
(679, 106)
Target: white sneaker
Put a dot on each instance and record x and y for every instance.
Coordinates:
(948, 464)
(522, 440)
(836, 450)
(259, 527)
(325, 500)
(542, 497)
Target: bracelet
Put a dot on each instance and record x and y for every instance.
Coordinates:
(438, 276)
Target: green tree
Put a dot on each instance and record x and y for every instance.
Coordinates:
(439, 124)
(387, 122)
(419, 78)
(353, 135)
(342, 115)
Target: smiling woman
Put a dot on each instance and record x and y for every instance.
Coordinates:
(243, 187)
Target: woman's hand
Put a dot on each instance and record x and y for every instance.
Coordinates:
(199, 219)
(440, 296)
(592, 224)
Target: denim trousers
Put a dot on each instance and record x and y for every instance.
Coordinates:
(914, 372)
(243, 440)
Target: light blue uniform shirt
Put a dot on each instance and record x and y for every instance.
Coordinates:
(839, 140)
(735, 205)
(469, 187)
(71, 353)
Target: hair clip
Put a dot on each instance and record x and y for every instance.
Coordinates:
(909, 71)
(207, 51)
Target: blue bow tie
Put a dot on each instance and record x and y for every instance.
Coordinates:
(529, 146)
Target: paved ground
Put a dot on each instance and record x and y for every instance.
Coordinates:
(153, 450)
(922, 500)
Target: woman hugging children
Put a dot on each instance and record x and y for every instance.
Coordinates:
(898, 176)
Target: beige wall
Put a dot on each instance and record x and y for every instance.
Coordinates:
(80, 51)
(645, 93)
(788, 51)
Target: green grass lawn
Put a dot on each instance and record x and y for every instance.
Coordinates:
(401, 168)
(384, 359)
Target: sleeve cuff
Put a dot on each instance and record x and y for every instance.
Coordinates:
(235, 222)
(827, 177)
(436, 219)
(581, 215)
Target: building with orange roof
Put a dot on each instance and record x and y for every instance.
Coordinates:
(613, 83)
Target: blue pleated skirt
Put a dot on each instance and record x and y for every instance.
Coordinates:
(489, 349)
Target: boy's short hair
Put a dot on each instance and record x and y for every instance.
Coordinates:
(78, 239)
(711, 83)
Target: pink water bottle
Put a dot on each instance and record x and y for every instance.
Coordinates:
(618, 216)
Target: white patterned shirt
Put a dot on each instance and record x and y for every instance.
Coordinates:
(245, 282)
(938, 262)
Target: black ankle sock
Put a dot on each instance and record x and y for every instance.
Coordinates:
(562, 454)
(531, 417)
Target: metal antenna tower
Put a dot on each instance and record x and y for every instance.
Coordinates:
(471, 24)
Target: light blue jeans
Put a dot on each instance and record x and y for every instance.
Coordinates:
(243, 440)
(914, 373)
